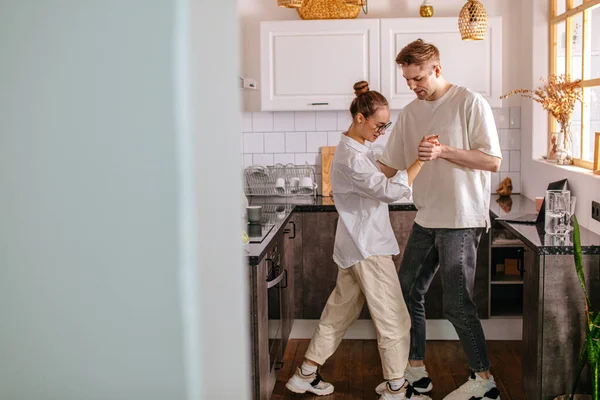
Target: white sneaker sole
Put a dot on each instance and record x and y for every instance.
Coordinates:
(380, 389)
(301, 390)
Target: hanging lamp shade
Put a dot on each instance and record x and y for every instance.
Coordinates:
(472, 21)
(290, 3)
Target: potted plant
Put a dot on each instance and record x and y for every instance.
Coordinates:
(590, 353)
(557, 95)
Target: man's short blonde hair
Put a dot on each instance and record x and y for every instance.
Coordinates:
(418, 52)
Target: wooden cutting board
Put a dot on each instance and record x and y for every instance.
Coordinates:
(327, 153)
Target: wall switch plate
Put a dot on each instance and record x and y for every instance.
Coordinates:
(596, 210)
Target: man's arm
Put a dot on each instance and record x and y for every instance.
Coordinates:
(474, 159)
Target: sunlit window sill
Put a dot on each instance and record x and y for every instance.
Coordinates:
(570, 168)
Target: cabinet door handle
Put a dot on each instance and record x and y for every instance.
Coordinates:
(318, 104)
(521, 262)
(284, 285)
(275, 281)
(293, 230)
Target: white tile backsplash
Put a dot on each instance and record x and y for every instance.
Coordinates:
(515, 118)
(333, 138)
(284, 159)
(263, 159)
(310, 158)
(295, 142)
(315, 140)
(326, 120)
(283, 121)
(274, 142)
(296, 137)
(495, 181)
(502, 117)
(305, 121)
(510, 139)
(248, 160)
(262, 122)
(247, 122)
(344, 119)
(253, 143)
(515, 161)
(505, 165)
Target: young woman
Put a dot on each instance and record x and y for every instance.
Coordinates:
(364, 245)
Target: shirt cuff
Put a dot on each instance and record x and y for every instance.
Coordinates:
(401, 178)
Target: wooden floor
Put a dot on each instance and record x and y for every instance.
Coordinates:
(355, 369)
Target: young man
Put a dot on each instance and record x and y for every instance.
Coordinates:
(452, 196)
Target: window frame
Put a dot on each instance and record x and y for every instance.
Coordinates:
(567, 16)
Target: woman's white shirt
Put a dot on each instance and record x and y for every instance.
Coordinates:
(361, 193)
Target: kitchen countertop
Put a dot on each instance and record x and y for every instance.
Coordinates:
(278, 211)
(319, 203)
(533, 235)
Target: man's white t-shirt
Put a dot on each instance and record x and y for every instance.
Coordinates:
(445, 194)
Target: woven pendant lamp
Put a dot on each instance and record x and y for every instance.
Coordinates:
(472, 21)
(356, 2)
(290, 3)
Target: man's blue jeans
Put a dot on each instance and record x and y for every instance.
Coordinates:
(454, 253)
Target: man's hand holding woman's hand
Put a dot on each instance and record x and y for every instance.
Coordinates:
(429, 148)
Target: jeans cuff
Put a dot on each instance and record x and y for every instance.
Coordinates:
(480, 369)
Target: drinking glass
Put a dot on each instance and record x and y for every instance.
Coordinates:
(558, 212)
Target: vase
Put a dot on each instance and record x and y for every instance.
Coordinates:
(552, 147)
(564, 145)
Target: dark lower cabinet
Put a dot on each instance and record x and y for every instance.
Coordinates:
(319, 271)
(272, 311)
(554, 322)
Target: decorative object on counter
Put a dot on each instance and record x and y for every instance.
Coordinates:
(505, 188)
(254, 214)
(426, 9)
(472, 21)
(280, 180)
(329, 9)
(590, 352)
(596, 167)
(505, 203)
(327, 154)
(290, 3)
(557, 95)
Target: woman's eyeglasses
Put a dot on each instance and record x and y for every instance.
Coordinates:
(382, 128)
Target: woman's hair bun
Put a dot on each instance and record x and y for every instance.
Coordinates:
(360, 88)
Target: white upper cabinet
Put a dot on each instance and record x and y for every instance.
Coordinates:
(476, 65)
(312, 65)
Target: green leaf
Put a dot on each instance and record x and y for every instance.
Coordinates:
(579, 258)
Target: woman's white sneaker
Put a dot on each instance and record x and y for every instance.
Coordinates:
(476, 388)
(300, 383)
(406, 392)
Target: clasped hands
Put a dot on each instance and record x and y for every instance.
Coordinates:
(429, 148)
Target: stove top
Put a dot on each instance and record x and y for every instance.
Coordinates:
(257, 233)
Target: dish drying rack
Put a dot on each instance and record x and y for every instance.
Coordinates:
(262, 181)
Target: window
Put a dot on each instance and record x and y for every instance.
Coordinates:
(575, 50)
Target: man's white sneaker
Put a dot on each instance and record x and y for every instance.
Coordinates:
(300, 383)
(406, 392)
(420, 383)
(476, 388)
